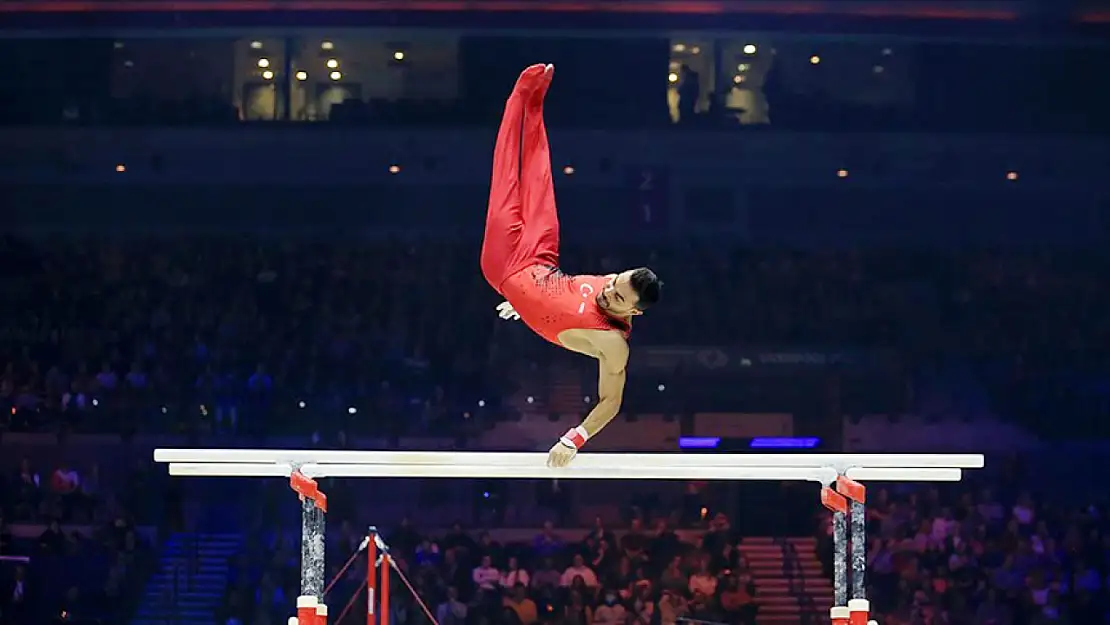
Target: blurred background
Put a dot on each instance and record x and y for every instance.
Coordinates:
(882, 225)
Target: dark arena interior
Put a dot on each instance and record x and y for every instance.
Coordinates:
(870, 383)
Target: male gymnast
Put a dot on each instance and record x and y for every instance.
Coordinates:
(591, 315)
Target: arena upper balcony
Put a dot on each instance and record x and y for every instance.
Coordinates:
(765, 186)
(944, 18)
(653, 160)
(751, 133)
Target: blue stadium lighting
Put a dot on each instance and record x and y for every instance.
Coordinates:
(784, 443)
(699, 442)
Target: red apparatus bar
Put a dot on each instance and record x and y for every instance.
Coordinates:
(371, 573)
(384, 618)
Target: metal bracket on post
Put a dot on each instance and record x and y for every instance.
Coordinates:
(307, 488)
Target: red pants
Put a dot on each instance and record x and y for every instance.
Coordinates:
(522, 224)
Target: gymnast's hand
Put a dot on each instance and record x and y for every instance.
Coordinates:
(506, 311)
(561, 455)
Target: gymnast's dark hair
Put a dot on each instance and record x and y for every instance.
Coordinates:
(647, 286)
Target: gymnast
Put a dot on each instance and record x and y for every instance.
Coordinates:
(588, 314)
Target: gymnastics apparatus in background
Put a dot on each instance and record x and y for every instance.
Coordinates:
(840, 476)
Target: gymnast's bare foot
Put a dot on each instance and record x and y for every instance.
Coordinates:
(545, 84)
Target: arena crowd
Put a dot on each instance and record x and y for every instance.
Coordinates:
(70, 549)
(986, 557)
(242, 337)
(245, 335)
(983, 553)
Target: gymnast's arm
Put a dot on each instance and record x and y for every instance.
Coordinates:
(612, 357)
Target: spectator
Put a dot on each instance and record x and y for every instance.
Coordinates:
(1051, 612)
(642, 606)
(719, 534)
(703, 588)
(106, 380)
(485, 576)
(992, 611)
(270, 598)
(453, 573)
(610, 612)
(578, 585)
(579, 570)
(457, 538)
(259, 392)
(53, 539)
(65, 484)
(546, 582)
(599, 533)
(225, 388)
(547, 542)
(577, 611)
(666, 543)
(622, 578)
(427, 552)
(524, 608)
(738, 600)
(989, 508)
(634, 543)
(673, 576)
(488, 547)
(514, 575)
(1023, 510)
(943, 526)
(401, 609)
(452, 611)
(602, 557)
(1087, 578)
(672, 606)
(28, 497)
(405, 537)
(15, 596)
(91, 496)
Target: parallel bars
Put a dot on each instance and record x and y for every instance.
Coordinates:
(839, 475)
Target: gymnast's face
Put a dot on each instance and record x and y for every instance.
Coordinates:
(618, 298)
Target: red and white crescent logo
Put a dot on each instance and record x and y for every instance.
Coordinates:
(586, 290)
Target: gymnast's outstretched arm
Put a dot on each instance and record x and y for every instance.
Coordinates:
(611, 350)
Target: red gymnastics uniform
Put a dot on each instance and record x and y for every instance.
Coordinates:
(520, 251)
